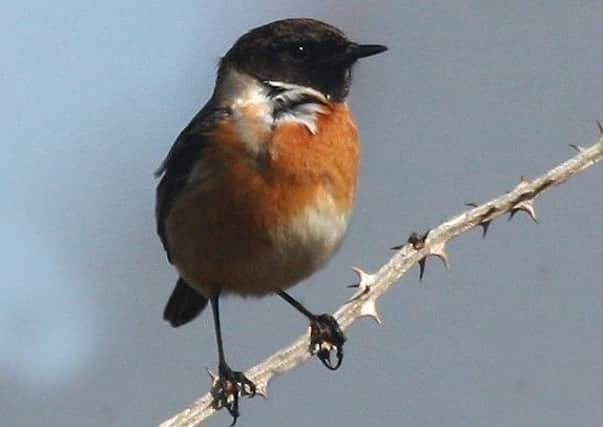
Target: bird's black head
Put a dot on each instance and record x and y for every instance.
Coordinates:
(305, 52)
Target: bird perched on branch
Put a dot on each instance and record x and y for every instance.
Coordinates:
(256, 192)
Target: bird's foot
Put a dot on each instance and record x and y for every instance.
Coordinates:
(326, 336)
(228, 387)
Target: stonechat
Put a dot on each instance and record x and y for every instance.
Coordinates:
(256, 193)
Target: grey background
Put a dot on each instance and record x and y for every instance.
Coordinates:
(470, 96)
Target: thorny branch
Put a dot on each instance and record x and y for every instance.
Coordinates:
(416, 250)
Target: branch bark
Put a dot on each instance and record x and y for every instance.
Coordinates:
(372, 286)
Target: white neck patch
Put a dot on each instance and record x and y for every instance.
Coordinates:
(270, 102)
(296, 104)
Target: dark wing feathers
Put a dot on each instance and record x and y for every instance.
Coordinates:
(175, 169)
(180, 161)
(184, 303)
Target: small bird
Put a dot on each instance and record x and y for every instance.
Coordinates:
(256, 193)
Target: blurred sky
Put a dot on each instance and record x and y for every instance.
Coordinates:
(470, 96)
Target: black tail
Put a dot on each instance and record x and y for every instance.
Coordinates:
(184, 304)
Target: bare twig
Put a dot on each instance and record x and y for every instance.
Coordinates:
(418, 248)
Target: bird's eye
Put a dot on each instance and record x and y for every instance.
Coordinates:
(299, 51)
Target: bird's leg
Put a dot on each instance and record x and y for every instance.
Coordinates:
(325, 333)
(229, 385)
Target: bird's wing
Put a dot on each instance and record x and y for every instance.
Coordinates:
(180, 161)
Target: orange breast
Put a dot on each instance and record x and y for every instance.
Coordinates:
(262, 221)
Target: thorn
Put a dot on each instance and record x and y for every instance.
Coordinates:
(369, 309)
(522, 184)
(422, 268)
(364, 284)
(526, 206)
(212, 377)
(417, 241)
(485, 225)
(523, 181)
(261, 389)
(439, 251)
(600, 127)
(364, 277)
(578, 148)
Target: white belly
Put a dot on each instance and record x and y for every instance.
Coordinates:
(305, 244)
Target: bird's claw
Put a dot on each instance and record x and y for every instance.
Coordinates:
(228, 387)
(326, 336)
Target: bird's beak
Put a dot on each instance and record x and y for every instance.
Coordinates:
(363, 50)
(356, 51)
